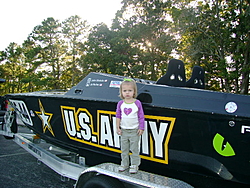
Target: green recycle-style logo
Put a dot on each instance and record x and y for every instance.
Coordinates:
(225, 150)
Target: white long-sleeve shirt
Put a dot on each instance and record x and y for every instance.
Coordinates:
(131, 115)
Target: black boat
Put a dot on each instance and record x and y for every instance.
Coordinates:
(187, 130)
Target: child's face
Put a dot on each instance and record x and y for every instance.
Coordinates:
(127, 91)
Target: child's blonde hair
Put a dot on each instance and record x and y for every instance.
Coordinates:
(128, 81)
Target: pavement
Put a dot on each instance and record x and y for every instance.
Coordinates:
(19, 169)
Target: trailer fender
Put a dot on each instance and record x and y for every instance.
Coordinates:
(92, 179)
(113, 177)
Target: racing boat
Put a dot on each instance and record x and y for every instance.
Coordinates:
(187, 129)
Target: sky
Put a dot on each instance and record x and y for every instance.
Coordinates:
(19, 17)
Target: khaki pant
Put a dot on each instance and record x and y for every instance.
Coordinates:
(130, 142)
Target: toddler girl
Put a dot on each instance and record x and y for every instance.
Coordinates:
(130, 125)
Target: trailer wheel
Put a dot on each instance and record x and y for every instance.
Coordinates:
(8, 137)
(103, 181)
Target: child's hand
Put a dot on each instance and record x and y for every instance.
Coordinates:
(119, 131)
(140, 132)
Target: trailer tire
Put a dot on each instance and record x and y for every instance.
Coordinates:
(14, 126)
(102, 181)
(9, 137)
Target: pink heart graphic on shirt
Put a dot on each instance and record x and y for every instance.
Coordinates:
(127, 111)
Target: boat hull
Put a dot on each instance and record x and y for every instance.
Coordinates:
(187, 131)
(180, 140)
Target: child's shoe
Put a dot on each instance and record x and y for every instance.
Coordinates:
(122, 168)
(133, 169)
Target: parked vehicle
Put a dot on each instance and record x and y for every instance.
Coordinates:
(2, 105)
(188, 130)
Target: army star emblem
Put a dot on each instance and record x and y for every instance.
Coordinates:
(45, 117)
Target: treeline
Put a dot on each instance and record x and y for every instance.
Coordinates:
(144, 36)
